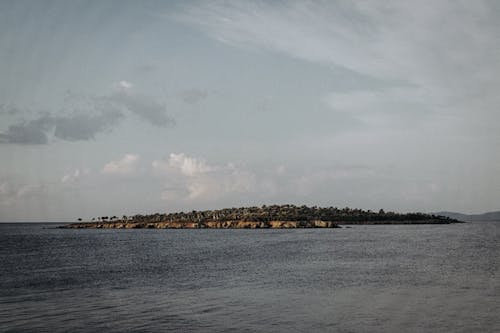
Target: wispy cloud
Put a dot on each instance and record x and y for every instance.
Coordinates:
(399, 107)
(452, 67)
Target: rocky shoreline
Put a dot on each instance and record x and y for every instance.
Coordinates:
(204, 225)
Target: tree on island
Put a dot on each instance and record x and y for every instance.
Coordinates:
(268, 213)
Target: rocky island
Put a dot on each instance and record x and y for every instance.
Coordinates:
(274, 216)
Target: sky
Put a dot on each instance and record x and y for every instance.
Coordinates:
(127, 107)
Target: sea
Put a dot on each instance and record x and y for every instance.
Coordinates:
(383, 278)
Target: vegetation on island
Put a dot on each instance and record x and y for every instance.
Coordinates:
(280, 213)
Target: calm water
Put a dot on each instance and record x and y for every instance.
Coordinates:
(363, 279)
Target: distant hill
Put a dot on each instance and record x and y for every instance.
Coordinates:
(490, 216)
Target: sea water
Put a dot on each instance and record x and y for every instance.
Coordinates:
(407, 278)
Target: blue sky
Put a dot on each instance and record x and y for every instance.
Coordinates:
(115, 107)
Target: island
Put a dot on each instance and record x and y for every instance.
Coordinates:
(265, 217)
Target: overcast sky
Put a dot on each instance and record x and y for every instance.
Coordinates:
(116, 107)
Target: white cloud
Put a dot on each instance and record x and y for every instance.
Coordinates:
(125, 166)
(194, 178)
(189, 166)
(186, 165)
(124, 86)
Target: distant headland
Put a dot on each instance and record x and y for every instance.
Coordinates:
(273, 216)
